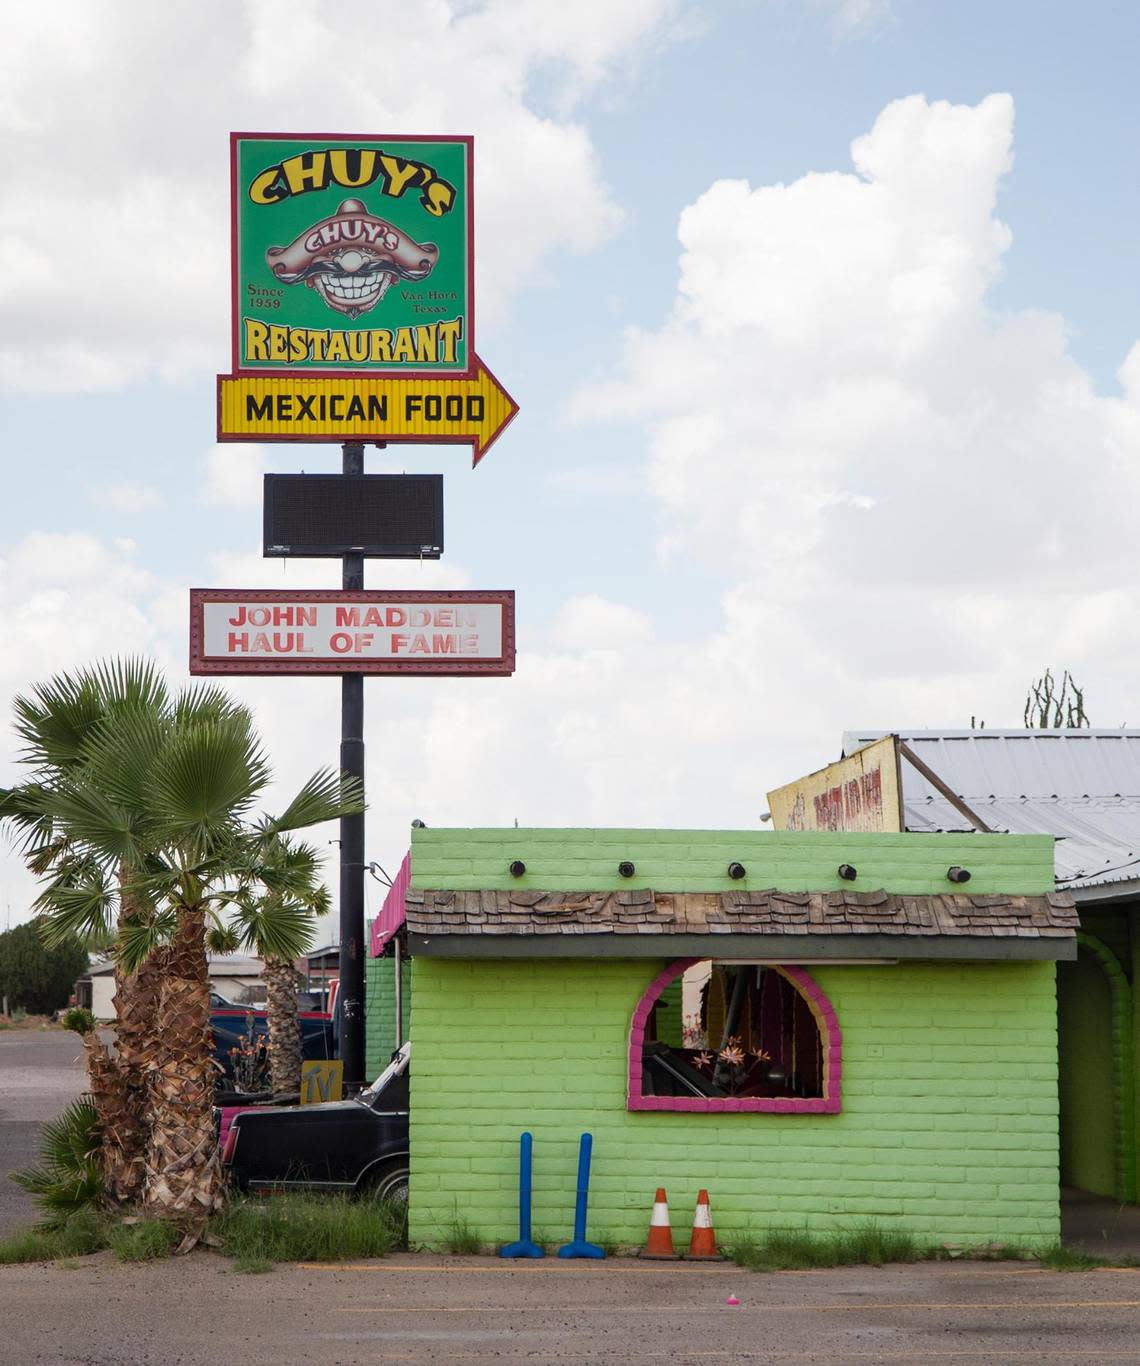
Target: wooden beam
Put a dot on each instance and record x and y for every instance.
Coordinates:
(936, 782)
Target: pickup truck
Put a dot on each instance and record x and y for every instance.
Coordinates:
(230, 1023)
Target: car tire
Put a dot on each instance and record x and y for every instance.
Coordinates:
(388, 1182)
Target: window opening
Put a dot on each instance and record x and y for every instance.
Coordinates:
(751, 1036)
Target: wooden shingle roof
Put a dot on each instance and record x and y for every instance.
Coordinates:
(772, 920)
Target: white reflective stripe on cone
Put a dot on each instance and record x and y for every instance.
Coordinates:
(660, 1217)
(703, 1216)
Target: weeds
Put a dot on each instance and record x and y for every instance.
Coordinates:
(307, 1228)
(252, 1264)
(82, 1234)
(798, 1250)
(461, 1239)
(144, 1241)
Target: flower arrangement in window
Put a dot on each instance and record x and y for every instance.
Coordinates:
(760, 1037)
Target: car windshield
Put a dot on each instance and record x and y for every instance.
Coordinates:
(396, 1068)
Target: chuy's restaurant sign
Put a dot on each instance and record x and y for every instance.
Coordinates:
(324, 632)
(352, 255)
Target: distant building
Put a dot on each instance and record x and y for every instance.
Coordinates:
(233, 977)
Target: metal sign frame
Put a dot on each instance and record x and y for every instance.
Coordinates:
(323, 141)
(201, 663)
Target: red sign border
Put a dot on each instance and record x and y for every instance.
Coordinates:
(501, 667)
(235, 309)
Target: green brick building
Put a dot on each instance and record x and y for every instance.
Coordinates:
(729, 1010)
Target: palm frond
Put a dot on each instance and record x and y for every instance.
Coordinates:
(139, 938)
(328, 795)
(133, 684)
(89, 818)
(211, 773)
(55, 719)
(81, 901)
(275, 929)
(67, 1175)
(204, 702)
(222, 939)
(120, 758)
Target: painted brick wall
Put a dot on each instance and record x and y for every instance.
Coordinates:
(380, 1011)
(949, 1122)
(697, 860)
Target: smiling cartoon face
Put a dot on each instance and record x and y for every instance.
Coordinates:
(352, 259)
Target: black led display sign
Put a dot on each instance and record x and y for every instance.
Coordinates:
(388, 516)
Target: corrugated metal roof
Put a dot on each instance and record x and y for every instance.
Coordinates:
(1083, 786)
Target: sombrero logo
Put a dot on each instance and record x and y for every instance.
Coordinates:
(352, 259)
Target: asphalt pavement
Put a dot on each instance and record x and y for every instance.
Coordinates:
(196, 1311)
(40, 1071)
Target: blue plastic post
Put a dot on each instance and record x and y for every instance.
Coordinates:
(524, 1247)
(579, 1247)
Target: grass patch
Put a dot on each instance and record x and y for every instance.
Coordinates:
(79, 1236)
(252, 1264)
(1058, 1258)
(144, 1241)
(798, 1250)
(461, 1239)
(307, 1228)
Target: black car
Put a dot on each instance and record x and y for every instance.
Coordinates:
(355, 1146)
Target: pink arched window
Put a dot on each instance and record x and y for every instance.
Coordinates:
(783, 1058)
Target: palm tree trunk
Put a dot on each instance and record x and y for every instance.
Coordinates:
(284, 1027)
(125, 1140)
(183, 1169)
(116, 1113)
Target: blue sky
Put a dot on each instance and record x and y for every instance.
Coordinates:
(851, 518)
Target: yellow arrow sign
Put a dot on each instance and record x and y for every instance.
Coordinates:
(426, 409)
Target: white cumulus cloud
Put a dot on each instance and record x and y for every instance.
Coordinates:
(115, 120)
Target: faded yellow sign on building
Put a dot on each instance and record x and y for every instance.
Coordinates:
(321, 1080)
(861, 792)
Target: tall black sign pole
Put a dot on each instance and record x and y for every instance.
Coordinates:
(352, 841)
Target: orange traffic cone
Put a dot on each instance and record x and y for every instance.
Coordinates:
(702, 1245)
(659, 1244)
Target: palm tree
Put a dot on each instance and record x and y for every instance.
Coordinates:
(56, 723)
(256, 928)
(158, 820)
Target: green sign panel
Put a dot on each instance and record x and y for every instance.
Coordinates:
(352, 255)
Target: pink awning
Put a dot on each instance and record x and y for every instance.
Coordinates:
(391, 917)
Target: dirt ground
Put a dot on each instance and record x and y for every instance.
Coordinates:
(197, 1312)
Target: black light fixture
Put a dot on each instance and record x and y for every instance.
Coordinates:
(736, 871)
(626, 869)
(417, 824)
(848, 872)
(517, 868)
(957, 874)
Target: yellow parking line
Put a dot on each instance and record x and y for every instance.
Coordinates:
(761, 1305)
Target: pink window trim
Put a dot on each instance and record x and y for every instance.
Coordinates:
(830, 1040)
